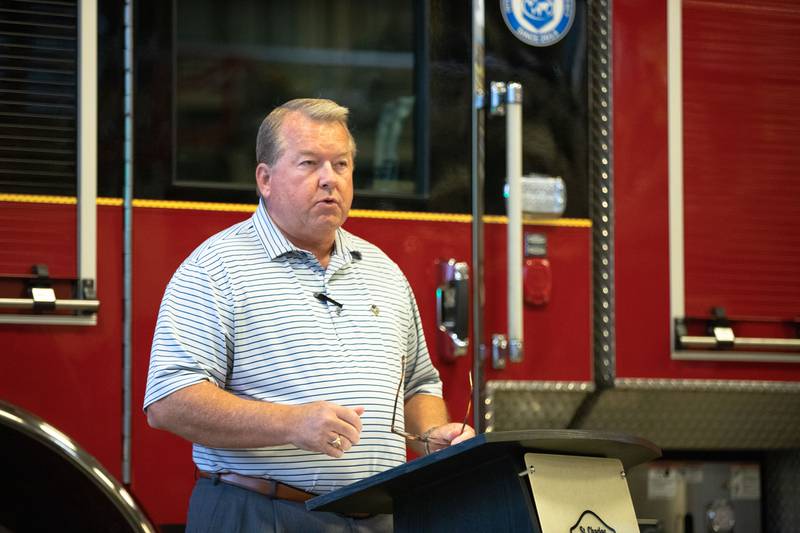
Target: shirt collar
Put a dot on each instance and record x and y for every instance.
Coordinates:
(344, 249)
(276, 244)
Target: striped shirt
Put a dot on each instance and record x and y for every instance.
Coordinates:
(241, 313)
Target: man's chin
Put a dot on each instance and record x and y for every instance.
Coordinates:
(327, 224)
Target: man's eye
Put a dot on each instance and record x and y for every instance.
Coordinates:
(342, 164)
(306, 163)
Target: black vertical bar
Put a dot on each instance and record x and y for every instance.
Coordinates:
(478, 177)
(422, 99)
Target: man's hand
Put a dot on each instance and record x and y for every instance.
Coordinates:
(427, 415)
(448, 433)
(320, 423)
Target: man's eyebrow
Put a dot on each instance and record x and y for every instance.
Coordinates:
(311, 153)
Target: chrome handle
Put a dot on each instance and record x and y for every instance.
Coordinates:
(44, 300)
(697, 341)
(723, 340)
(514, 209)
(452, 309)
(31, 304)
(506, 99)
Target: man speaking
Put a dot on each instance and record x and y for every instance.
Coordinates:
(284, 342)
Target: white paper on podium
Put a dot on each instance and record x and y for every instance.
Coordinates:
(580, 494)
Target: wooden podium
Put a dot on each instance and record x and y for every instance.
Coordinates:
(537, 480)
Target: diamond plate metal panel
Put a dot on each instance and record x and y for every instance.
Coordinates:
(707, 415)
(515, 405)
(782, 491)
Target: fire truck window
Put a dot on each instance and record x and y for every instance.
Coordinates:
(39, 99)
(38, 130)
(235, 64)
(208, 72)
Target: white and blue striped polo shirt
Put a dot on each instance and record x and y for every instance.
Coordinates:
(240, 312)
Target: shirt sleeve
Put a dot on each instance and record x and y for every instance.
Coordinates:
(193, 336)
(421, 376)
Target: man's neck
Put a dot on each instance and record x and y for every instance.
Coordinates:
(324, 258)
(322, 250)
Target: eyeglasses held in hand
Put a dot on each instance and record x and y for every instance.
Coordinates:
(428, 440)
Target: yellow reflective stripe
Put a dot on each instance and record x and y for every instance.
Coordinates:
(199, 206)
(249, 208)
(410, 215)
(113, 202)
(531, 221)
(37, 199)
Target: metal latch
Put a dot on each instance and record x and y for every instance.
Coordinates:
(499, 351)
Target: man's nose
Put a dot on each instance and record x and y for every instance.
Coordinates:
(327, 176)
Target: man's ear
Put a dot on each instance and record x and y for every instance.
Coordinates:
(262, 180)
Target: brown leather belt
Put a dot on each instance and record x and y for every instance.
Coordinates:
(267, 487)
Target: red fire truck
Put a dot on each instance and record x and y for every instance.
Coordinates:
(595, 203)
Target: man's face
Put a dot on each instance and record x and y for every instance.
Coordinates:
(309, 189)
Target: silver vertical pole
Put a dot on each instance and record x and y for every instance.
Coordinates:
(127, 203)
(478, 134)
(87, 149)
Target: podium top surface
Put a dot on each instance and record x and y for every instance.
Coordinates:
(375, 494)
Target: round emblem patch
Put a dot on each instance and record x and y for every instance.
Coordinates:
(538, 22)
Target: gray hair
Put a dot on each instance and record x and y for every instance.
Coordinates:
(270, 143)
